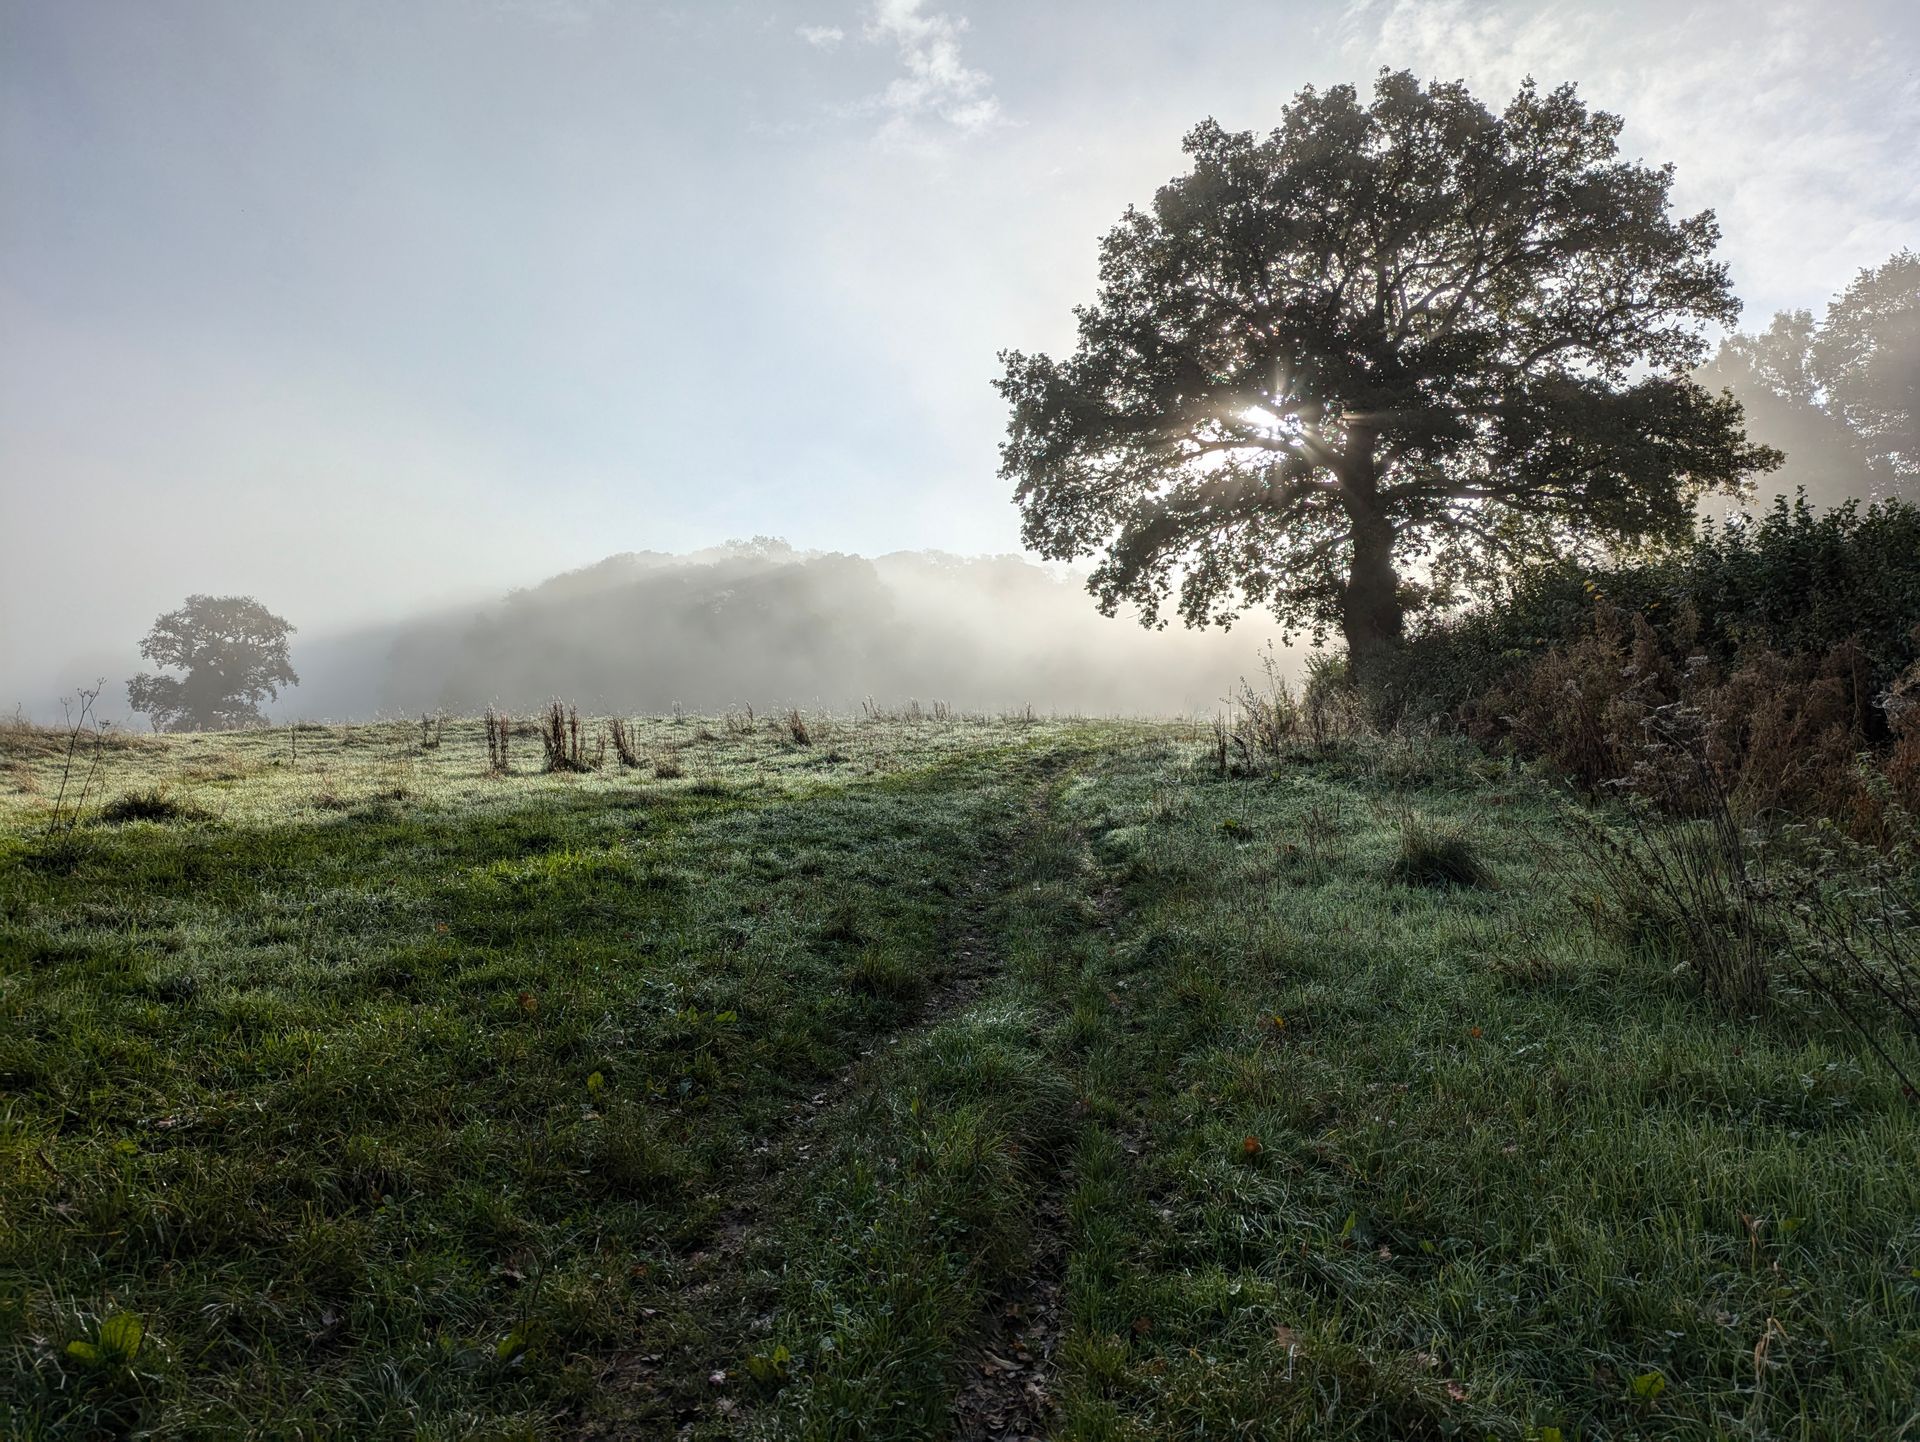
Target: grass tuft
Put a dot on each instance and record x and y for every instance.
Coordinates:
(1438, 856)
(152, 803)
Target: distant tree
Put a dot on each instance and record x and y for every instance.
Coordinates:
(1405, 336)
(234, 653)
(1840, 396)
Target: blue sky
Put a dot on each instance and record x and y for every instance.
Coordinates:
(358, 306)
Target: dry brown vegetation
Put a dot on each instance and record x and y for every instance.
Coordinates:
(1809, 735)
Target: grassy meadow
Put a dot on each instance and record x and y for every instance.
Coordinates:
(901, 1076)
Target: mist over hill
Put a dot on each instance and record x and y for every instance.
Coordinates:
(761, 623)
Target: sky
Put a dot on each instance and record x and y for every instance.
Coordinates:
(362, 307)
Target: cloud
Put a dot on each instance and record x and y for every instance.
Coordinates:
(1766, 112)
(821, 37)
(937, 95)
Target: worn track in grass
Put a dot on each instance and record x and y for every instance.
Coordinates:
(1003, 1388)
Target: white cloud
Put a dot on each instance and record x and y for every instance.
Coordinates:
(1795, 125)
(821, 37)
(938, 94)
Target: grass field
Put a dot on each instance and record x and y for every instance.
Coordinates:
(931, 1077)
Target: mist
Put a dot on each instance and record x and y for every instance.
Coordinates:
(761, 624)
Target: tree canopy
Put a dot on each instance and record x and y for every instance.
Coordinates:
(234, 653)
(1841, 395)
(1405, 336)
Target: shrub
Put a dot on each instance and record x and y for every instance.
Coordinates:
(1791, 581)
(1624, 706)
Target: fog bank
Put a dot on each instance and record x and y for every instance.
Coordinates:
(761, 624)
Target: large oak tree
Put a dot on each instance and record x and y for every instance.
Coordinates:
(1411, 338)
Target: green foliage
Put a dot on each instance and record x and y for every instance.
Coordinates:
(1407, 330)
(1792, 580)
(116, 1343)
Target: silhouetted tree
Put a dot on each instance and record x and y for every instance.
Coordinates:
(1841, 396)
(1405, 335)
(234, 653)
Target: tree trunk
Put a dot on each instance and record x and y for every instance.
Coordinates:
(1370, 613)
(1371, 616)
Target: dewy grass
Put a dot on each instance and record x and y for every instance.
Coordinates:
(1369, 1164)
(400, 1096)
(604, 1104)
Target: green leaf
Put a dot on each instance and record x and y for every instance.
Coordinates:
(1550, 1434)
(120, 1336)
(770, 1367)
(83, 1351)
(1648, 1385)
(596, 1082)
(511, 1345)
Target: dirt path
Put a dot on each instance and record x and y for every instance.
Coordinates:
(1003, 1393)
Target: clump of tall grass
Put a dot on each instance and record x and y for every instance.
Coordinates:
(1697, 886)
(1264, 719)
(1438, 856)
(154, 803)
(913, 711)
(797, 728)
(1692, 888)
